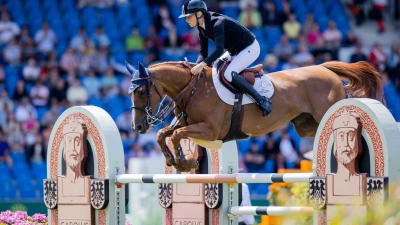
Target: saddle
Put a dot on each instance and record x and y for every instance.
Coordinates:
(248, 74)
(235, 131)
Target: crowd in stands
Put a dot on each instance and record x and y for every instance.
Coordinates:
(57, 54)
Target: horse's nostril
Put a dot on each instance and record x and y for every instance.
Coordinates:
(139, 128)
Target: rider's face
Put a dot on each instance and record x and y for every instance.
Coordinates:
(191, 20)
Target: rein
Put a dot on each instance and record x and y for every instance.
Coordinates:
(159, 117)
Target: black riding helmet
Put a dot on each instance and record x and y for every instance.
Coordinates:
(193, 6)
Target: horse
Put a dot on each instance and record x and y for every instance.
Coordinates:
(302, 96)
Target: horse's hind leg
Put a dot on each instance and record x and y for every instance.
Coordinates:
(202, 130)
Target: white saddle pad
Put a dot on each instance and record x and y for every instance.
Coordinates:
(263, 85)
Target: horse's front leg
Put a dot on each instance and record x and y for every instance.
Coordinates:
(161, 136)
(202, 130)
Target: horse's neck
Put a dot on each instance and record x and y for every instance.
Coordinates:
(172, 78)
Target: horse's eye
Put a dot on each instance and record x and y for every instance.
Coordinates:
(142, 92)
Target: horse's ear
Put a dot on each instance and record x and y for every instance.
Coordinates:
(142, 71)
(130, 68)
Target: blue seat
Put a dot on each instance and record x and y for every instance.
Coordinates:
(7, 191)
(41, 111)
(27, 191)
(19, 157)
(96, 101)
(12, 78)
(273, 34)
(115, 106)
(231, 11)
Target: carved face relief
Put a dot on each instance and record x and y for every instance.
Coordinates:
(345, 140)
(346, 130)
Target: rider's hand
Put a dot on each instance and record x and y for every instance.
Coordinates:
(197, 68)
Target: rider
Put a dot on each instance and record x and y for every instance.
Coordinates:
(241, 45)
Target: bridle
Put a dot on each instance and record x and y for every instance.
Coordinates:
(162, 114)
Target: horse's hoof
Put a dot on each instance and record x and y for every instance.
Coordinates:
(192, 163)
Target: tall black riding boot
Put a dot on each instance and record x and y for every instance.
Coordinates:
(263, 102)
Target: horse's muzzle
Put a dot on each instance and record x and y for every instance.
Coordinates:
(141, 128)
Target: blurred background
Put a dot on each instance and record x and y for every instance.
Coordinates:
(57, 54)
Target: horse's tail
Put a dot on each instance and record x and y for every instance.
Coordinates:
(365, 81)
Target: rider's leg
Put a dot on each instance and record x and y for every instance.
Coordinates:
(240, 62)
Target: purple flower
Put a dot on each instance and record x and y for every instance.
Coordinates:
(39, 217)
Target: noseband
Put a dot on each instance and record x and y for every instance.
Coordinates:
(159, 117)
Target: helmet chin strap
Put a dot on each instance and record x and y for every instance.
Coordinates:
(197, 18)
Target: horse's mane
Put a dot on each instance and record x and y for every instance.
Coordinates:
(172, 63)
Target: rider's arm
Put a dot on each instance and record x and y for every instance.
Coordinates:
(203, 48)
(219, 33)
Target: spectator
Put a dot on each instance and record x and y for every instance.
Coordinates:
(243, 4)
(303, 57)
(351, 39)
(153, 39)
(25, 37)
(4, 150)
(101, 60)
(135, 151)
(271, 150)
(271, 64)
(10, 123)
(124, 121)
(358, 55)
(378, 10)
(12, 53)
(52, 61)
(92, 84)
(78, 41)
(31, 125)
(58, 93)
(100, 38)
(308, 24)
(286, 12)
(314, 37)
(378, 57)
(292, 27)
(8, 29)
(24, 110)
(76, 94)
(124, 85)
(173, 44)
(39, 94)
(20, 91)
(290, 64)
(269, 14)
(31, 71)
(250, 17)
(254, 159)
(28, 49)
(153, 52)
(394, 64)
(69, 61)
(2, 76)
(134, 42)
(163, 19)
(36, 153)
(50, 117)
(45, 40)
(109, 84)
(286, 147)
(283, 50)
(332, 35)
(16, 139)
(85, 57)
(191, 41)
(6, 104)
(306, 145)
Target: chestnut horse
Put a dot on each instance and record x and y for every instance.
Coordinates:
(301, 96)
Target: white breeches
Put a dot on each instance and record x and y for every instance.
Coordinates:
(242, 60)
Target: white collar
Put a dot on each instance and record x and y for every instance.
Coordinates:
(204, 25)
